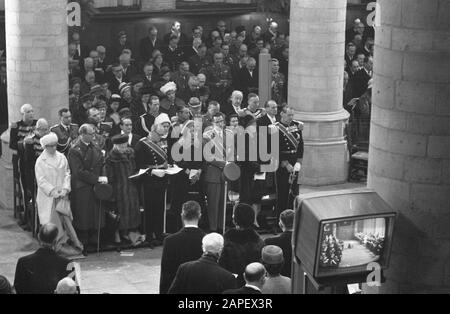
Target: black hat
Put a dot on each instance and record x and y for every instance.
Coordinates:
(120, 139)
(247, 121)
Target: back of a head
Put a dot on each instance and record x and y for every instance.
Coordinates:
(48, 234)
(191, 211)
(213, 243)
(244, 216)
(66, 286)
(5, 286)
(254, 273)
(287, 218)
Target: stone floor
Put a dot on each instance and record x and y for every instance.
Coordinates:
(107, 272)
(104, 273)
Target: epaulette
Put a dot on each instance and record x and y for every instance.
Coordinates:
(54, 127)
(74, 124)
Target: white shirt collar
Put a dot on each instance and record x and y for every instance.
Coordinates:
(191, 226)
(130, 137)
(273, 120)
(253, 287)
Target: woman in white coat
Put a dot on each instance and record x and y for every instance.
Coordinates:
(53, 181)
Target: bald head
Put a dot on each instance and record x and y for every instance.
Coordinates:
(255, 274)
(48, 234)
(66, 286)
(213, 243)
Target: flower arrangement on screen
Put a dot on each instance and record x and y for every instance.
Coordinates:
(373, 242)
(331, 252)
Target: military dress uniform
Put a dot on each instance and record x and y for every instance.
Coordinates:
(291, 151)
(66, 136)
(217, 74)
(152, 155)
(19, 131)
(144, 124)
(102, 133)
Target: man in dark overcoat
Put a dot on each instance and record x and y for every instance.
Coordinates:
(86, 163)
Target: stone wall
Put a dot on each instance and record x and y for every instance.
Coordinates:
(409, 163)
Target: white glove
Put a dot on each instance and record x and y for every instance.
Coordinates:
(103, 180)
(297, 167)
(159, 173)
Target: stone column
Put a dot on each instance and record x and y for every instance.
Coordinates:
(37, 65)
(409, 160)
(316, 74)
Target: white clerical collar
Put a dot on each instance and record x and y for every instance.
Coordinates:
(253, 287)
(191, 226)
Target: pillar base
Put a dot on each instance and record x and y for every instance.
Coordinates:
(6, 174)
(326, 158)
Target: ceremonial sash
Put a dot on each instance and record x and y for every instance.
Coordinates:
(288, 135)
(157, 149)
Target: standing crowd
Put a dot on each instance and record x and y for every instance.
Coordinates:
(129, 109)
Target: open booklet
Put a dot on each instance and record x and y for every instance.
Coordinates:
(158, 172)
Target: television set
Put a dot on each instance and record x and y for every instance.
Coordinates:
(339, 234)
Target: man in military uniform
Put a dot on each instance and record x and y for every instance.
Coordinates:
(219, 79)
(20, 135)
(216, 140)
(291, 157)
(66, 131)
(102, 130)
(152, 155)
(86, 163)
(253, 108)
(145, 122)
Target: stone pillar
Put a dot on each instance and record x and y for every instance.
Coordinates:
(37, 65)
(316, 74)
(409, 160)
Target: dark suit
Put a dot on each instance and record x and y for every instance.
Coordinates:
(284, 241)
(40, 272)
(179, 248)
(244, 290)
(247, 83)
(203, 276)
(147, 47)
(114, 85)
(173, 58)
(360, 83)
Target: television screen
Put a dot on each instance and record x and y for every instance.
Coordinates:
(351, 243)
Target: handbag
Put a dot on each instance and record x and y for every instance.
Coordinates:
(62, 206)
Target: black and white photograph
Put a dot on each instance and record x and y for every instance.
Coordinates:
(210, 148)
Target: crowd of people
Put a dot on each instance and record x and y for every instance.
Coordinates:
(193, 262)
(125, 117)
(128, 109)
